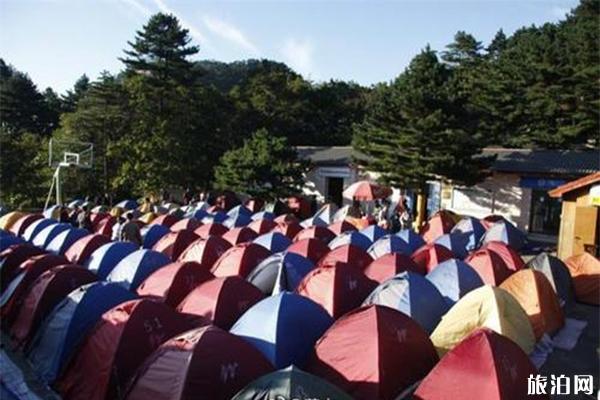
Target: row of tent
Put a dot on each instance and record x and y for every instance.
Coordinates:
(238, 310)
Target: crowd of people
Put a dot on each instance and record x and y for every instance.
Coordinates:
(393, 219)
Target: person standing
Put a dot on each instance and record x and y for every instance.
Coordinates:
(354, 211)
(405, 216)
(84, 220)
(130, 231)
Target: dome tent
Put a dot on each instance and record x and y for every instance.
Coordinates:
(374, 352)
(413, 295)
(280, 272)
(353, 238)
(151, 234)
(348, 254)
(456, 242)
(439, 224)
(454, 278)
(213, 229)
(12, 258)
(81, 250)
(175, 243)
(132, 270)
(189, 224)
(585, 275)
(19, 227)
(487, 306)
(106, 257)
(36, 227)
(490, 267)
(65, 239)
(413, 240)
(386, 267)
(388, 244)
(239, 235)
(283, 328)
(430, 255)
(557, 274)
(373, 233)
(341, 227)
(511, 258)
(262, 226)
(313, 249)
(240, 260)
(494, 367)
(474, 230)
(46, 235)
(505, 232)
(288, 229)
(321, 233)
(273, 241)
(205, 251)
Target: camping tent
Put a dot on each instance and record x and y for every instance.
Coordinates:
(474, 230)
(166, 220)
(284, 328)
(11, 260)
(173, 282)
(535, 294)
(385, 267)
(511, 258)
(240, 260)
(374, 352)
(263, 215)
(107, 256)
(189, 224)
(205, 251)
(65, 239)
(289, 229)
(213, 229)
(487, 306)
(456, 242)
(280, 272)
(221, 300)
(175, 243)
(8, 220)
(454, 278)
(557, 274)
(313, 249)
(46, 292)
(348, 254)
(151, 234)
(485, 365)
(585, 275)
(353, 238)
(205, 363)
(388, 244)
(504, 231)
(490, 267)
(46, 235)
(439, 224)
(340, 227)
(414, 295)
(413, 240)
(430, 255)
(290, 383)
(315, 232)
(36, 227)
(373, 233)
(273, 241)
(116, 347)
(69, 322)
(239, 235)
(8, 239)
(127, 204)
(19, 227)
(338, 289)
(237, 221)
(132, 270)
(261, 226)
(82, 249)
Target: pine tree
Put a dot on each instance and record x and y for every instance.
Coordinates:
(73, 96)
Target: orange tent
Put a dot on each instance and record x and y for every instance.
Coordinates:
(585, 274)
(535, 294)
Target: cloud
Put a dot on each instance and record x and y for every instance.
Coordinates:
(142, 9)
(194, 32)
(230, 33)
(560, 12)
(299, 55)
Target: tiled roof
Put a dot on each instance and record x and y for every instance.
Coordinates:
(587, 180)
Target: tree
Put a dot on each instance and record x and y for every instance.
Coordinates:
(463, 50)
(72, 97)
(417, 131)
(265, 167)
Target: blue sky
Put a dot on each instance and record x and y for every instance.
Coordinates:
(55, 41)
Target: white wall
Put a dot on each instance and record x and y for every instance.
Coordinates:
(316, 180)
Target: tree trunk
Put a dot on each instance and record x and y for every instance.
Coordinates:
(421, 209)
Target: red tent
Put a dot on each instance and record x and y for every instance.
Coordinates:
(221, 300)
(83, 248)
(254, 204)
(205, 251)
(349, 254)
(240, 260)
(374, 352)
(174, 243)
(12, 258)
(213, 229)
(206, 364)
(46, 292)
(18, 228)
(441, 223)
(167, 220)
(95, 218)
(341, 226)
(173, 282)
(105, 226)
(490, 267)
(289, 229)
(30, 270)
(390, 264)
(239, 235)
(187, 223)
(261, 226)
(313, 249)
(511, 258)
(338, 288)
(116, 347)
(315, 232)
(485, 365)
(490, 220)
(430, 255)
(286, 218)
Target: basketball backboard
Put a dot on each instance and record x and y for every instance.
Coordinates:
(70, 153)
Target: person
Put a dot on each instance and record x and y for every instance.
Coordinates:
(130, 231)
(381, 214)
(63, 215)
(405, 216)
(146, 206)
(117, 228)
(84, 220)
(187, 196)
(354, 211)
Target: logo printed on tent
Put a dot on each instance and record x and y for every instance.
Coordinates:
(228, 371)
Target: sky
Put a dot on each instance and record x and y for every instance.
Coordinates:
(56, 41)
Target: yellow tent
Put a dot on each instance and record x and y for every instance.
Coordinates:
(489, 307)
(9, 219)
(116, 212)
(147, 217)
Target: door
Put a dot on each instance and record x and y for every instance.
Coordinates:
(545, 213)
(335, 187)
(585, 229)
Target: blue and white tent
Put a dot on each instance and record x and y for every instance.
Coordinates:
(239, 210)
(454, 278)
(456, 242)
(373, 233)
(237, 221)
(284, 328)
(65, 239)
(68, 324)
(51, 212)
(47, 234)
(128, 204)
(75, 203)
(504, 231)
(36, 227)
(473, 228)
(105, 258)
(273, 241)
(263, 215)
(151, 234)
(413, 240)
(218, 217)
(132, 270)
(351, 237)
(8, 239)
(389, 244)
(280, 272)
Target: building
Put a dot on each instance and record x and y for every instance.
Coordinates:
(580, 219)
(517, 188)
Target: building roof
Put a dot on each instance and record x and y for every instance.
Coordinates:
(585, 181)
(555, 162)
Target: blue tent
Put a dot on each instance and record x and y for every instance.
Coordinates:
(8, 240)
(413, 295)
(314, 221)
(504, 231)
(36, 227)
(51, 211)
(413, 240)
(284, 328)
(106, 257)
(197, 213)
(237, 221)
(373, 233)
(351, 237)
(75, 203)
(389, 244)
(472, 227)
(280, 272)
(263, 215)
(239, 210)
(273, 241)
(558, 275)
(45, 236)
(456, 242)
(65, 239)
(128, 204)
(68, 324)
(152, 235)
(132, 270)
(218, 217)
(454, 278)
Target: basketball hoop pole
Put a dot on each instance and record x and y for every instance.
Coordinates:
(55, 182)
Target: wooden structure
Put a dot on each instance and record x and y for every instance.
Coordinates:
(580, 218)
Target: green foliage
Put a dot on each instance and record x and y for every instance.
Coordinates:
(72, 97)
(265, 167)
